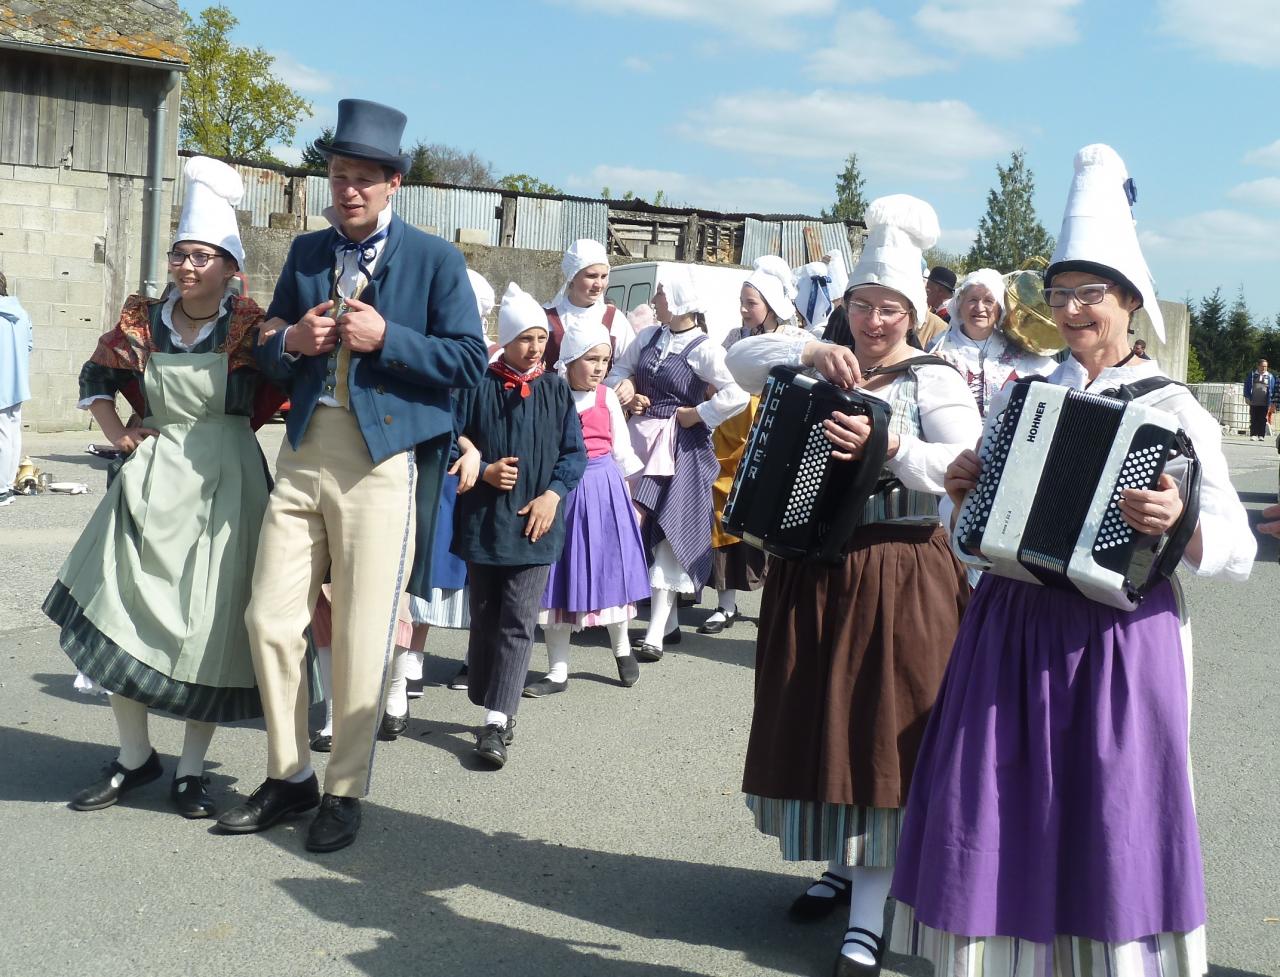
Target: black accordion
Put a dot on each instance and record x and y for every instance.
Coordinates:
(1046, 507)
(790, 497)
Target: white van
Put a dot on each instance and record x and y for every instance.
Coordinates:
(718, 285)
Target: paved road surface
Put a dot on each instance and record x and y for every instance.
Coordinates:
(614, 844)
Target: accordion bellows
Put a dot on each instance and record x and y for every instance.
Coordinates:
(1046, 507)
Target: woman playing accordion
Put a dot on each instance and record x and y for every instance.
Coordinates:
(849, 657)
(1051, 828)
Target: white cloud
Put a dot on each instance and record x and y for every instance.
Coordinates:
(637, 64)
(999, 28)
(1239, 31)
(957, 240)
(766, 23)
(743, 194)
(1215, 236)
(892, 137)
(300, 77)
(866, 47)
(1268, 155)
(1265, 192)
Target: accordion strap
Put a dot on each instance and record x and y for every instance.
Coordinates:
(902, 366)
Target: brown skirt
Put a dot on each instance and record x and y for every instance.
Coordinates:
(738, 566)
(848, 663)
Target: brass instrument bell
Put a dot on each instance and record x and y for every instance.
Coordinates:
(1028, 320)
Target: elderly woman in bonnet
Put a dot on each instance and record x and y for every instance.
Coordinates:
(849, 657)
(662, 379)
(151, 599)
(1051, 819)
(580, 301)
(765, 304)
(977, 345)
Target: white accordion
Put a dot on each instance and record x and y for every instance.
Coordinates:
(1046, 506)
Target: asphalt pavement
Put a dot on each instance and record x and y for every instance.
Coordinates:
(614, 844)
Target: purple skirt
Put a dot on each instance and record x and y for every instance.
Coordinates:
(1051, 794)
(603, 563)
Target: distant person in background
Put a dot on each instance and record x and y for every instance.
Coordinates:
(1259, 393)
(15, 384)
(580, 301)
(939, 286)
(1140, 350)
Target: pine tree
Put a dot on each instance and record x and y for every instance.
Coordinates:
(1240, 340)
(1010, 233)
(1207, 324)
(850, 204)
(312, 159)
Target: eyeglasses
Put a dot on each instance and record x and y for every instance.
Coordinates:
(198, 258)
(1090, 294)
(887, 316)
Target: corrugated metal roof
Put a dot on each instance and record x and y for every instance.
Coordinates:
(447, 209)
(584, 219)
(147, 29)
(264, 191)
(540, 223)
(786, 238)
(759, 238)
(835, 237)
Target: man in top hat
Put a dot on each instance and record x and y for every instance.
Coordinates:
(939, 286)
(372, 324)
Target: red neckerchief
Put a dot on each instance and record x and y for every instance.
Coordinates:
(512, 378)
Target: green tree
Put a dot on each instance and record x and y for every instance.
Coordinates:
(438, 163)
(232, 105)
(1240, 341)
(1195, 372)
(312, 159)
(1009, 232)
(948, 259)
(850, 204)
(1208, 320)
(524, 183)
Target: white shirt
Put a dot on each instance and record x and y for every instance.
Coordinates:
(574, 317)
(1228, 544)
(622, 452)
(949, 420)
(990, 363)
(707, 361)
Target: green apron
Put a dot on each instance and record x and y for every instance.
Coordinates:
(164, 567)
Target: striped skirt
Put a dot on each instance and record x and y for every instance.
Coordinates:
(445, 608)
(1161, 955)
(814, 831)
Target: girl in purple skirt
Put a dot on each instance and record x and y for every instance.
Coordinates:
(601, 572)
(1050, 830)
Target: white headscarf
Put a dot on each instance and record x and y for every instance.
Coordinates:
(815, 294)
(776, 284)
(682, 295)
(483, 291)
(579, 343)
(989, 277)
(1098, 231)
(214, 190)
(899, 228)
(519, 313)
(583, 253)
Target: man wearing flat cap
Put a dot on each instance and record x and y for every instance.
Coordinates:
(373, 323)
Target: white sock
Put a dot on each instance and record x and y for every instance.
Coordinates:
(661, 604)
(131, 724)
(494, 718)
(866, 908)
(619, 639)
(820, 890)
(557, 636)
(301, 775)
(195, 744)
(324, 660)
(727, 600)
(413, 665)
(397, 685)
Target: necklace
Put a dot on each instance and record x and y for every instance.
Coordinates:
(202, 318)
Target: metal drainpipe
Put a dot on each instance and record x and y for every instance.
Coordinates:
(154, 189)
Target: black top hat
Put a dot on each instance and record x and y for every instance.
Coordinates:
(367, 130)
(942, 276)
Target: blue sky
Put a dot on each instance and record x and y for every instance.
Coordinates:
(752, 105)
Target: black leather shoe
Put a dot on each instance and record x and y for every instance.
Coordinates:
(492, 743)
(335, 825)
(191, 798)
(809, 908)
(543, 687)
(105, 792)
(413, 688)
(321, 743)
(871, 942)
(273, 801)
(672, 637)
(392, 726)
(646, 652)
(720, 620)
(459, 681)
(628, 670)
